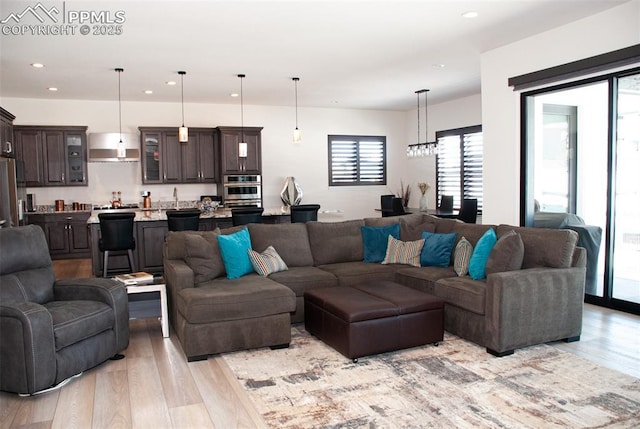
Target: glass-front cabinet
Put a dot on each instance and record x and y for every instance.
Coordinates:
(75, 152)
(151, 142)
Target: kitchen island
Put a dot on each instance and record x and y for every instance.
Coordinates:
(150, 227)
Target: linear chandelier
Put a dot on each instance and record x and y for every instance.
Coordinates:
(420, 150)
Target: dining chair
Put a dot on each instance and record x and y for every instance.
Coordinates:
(469, 210)
(446, 203)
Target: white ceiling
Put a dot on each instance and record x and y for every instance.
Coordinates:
(348, 54)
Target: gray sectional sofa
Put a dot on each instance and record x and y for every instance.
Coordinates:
(539, 302)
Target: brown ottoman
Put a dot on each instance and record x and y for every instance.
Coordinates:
(373, 318)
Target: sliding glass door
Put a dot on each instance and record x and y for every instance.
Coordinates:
(581, 170)
(626, 204)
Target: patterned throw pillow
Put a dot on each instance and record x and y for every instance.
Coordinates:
(403, 252)
(267, 262)
(461, 257)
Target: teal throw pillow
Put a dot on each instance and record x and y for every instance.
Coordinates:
(234, 251)
(375, 240)
(480, 255)
(437, 249)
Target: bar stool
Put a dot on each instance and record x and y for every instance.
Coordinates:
(304, 212)
(243, 216)
(183, 220)
(116, 233)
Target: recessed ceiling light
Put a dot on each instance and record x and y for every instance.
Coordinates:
(52, 88)
(37, 65)
(148, 91)
(438, 66)
(171, 82)
(234, 94)
(470, 14)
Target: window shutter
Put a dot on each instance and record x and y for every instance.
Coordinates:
(448, 166)
(357, 160)
(472, 166)
(459, 164)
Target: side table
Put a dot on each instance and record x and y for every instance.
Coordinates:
(155, 287)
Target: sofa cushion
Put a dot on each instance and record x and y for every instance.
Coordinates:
(437, 249)
(333, 242)
(375, 240)
(234, 250)
(202, 254)
(299, 279)
(506, 255)
(349, 273)
(423, 279)
(545, 247)
(412, 219)
(74, 321)
(224, 300)
(409, 232)
(480, 255)
(462, 256)
(290, 240)
(403, 252)
(462, 292)
(267, 262)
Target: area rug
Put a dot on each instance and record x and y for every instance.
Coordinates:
(454, 385)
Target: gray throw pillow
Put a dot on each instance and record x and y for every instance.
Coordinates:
(203, 256)
(507, 254)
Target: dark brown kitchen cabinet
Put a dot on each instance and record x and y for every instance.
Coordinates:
(166, 160)
(67, 234)
(7, 147)
(233, 159)
(149, 242)
(53, 156)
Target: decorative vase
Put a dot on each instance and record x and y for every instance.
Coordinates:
(423, 203)
(291, 194)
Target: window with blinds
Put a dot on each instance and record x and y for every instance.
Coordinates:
(459, 164)
(357, 160)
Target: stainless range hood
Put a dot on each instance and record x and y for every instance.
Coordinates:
(103, 147)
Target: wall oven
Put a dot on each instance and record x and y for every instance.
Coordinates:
(242, 190)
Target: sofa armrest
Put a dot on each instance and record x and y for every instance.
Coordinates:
(27, 347)
(111, 292)
(533, 306)
(177, 275)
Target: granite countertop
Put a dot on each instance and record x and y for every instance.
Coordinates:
(155, 214)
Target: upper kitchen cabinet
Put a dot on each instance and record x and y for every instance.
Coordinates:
(6, 133)
(166, 160)
(52, 156)
(236, 158)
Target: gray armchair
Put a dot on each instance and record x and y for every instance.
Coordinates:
(52, 330)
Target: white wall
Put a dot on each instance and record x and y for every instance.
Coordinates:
(608, 31)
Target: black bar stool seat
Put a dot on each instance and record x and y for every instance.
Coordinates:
(116, 233)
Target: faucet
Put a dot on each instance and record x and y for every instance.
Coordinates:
(175, 197)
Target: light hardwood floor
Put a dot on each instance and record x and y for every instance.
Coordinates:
(155, 387)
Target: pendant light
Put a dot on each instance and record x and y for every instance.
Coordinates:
(121, 152)
(297, 137)
(242, 145)
(427, 148)
(183, 132)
